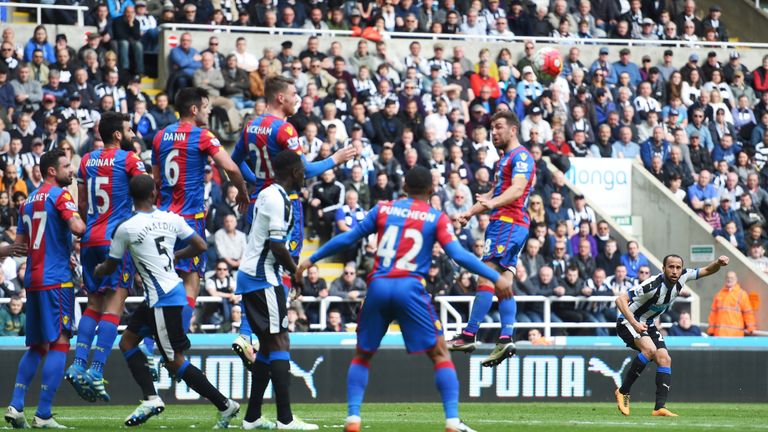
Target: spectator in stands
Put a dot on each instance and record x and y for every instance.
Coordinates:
(583, 259)
(326, 197)
(709, 213)
(127, 33)
(609, 258)
(12, 318)
(28, 92)
(334, 323)
(314, 286)
(625, 147)
(39, 41)
(184, 61)
(221, 284)
(211, 79)
(701, 190)
(347, 217)
(600, 312)
(349, 287)
(620, 282)
(560, 258)
(757, 257)
(675, 166)
(230, 242)
(655, 145)
(684, 326)
(532, 259)
(731, 313)
(633, 259)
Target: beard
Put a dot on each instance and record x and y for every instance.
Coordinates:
(127, 145)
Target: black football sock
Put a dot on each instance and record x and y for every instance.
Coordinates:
(137, 363)
(635, 369)
(280, 370)
(663, 383)
(198, 382)
(259, 382)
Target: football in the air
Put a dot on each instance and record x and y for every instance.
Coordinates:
(548, 62)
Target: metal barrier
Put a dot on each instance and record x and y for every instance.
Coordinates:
(451, 319)
(463, 37)
(39, 8)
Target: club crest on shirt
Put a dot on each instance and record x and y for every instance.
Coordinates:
(294, 244)
(65, 319)
(196, 260)
(125, 277)
(438, 325)
(523, 156)
(499, 249)
(289, 130)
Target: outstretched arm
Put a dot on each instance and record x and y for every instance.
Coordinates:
(470, 262)
(314, 169)
(713, 267)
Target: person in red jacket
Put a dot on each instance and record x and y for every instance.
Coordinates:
(760, 77)
(483, 78)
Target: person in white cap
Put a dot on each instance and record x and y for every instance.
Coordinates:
(529, 89)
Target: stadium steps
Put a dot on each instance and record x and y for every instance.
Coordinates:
(328, 270)
(21, 17)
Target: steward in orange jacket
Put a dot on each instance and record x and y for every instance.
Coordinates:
(731, 313)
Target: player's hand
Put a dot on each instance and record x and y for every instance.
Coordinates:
(19, 249)
(484, 201)
(302, 267)
(463, 219)
(243, 201)
(344, 154)
(723, 260)
(640, 327)
(504, 287)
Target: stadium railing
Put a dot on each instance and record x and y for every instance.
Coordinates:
(81, 10)
(451, 319)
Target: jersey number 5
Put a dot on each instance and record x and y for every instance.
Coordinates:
(164, 252)
(388, 250)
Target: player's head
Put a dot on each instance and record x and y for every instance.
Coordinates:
(193, 103)
(418, 182)
(115, 129)
(673, 267)
(289, 169)
(504, 127)
(280, 93)
(142, 190)
(55, 167)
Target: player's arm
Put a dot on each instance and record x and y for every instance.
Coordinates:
(195, 246)
(68, 211)
(226, 163)
(82, 190)
(240, 158)
(76, 225)
(117, 250)
(622, 303)
(713, 267)
(314, 169)
(513, 192)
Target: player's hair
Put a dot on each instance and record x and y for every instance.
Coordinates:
(276, 84)
(188, 97)
(508, 116)
(50, 160)
(664, 261)
(110, 123)
(141, 187)
(285, 162)
(419, 180)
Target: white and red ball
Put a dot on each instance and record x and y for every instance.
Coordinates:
(548, 63)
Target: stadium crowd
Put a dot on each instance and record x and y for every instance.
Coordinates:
(700, 128)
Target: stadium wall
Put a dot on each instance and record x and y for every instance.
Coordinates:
(256, 42)
(76, 36)
(585, 373)
(669, 226)
(742, 19)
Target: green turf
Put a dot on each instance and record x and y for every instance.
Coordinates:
(559, 417)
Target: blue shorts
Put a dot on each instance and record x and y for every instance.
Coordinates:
(49, 314)
(503, 243)
(403, 300)
(194, 264)
(297, 234)
(91, 256)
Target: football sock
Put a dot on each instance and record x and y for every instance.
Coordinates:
(137, 363)
(507, 310)
(635, 369)
(245, 326)
(448, 385)
(357, 381)
(53, 372)
(280, 369)
(107, 332)
(663, 383)
(483, 303)
(259, 382)
(149, 344)
(199, 383)
(187, 312)
(86, 329)
(27, 368)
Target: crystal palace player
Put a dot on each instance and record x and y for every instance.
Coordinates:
(639, 307)
(47, 221)
(150, 236)
(104, 203)
(505, 236)
(406, 229)
(179, 156)
(262, 139)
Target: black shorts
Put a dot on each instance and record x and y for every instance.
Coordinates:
(165, 324)
(629, 335)
(267, 310)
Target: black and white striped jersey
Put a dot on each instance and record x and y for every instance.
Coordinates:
(654, 296)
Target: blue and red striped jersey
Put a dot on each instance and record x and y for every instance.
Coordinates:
(516, 163)
(406, 230)
(106, 174)
(181, 152)
(262, 139)
(43, 221)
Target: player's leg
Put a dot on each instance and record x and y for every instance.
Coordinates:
(139, 325)
(173, 342)
(191, 271)
(114, 301)
(663, 374)
(255, 311)
(373, 320)
(243, 343)
(30, 361)
(647, 351)
(86, 328)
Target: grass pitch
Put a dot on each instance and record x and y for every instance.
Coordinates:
(492, 417)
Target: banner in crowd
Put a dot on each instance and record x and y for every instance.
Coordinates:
(607, 182)
(535, 374)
